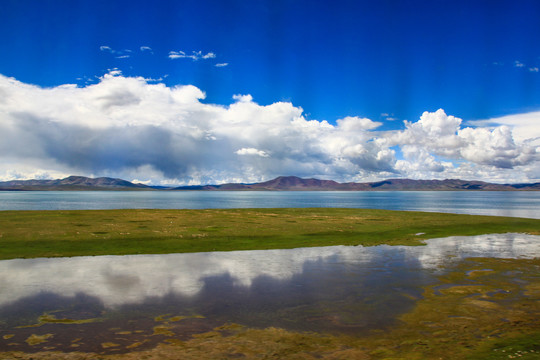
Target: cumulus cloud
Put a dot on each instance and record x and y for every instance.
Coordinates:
(495, 147)
(354, 123)
(443, 135)
(137, 128)
(524, 126)
(145, 48)
(421, 159)
(221, 65)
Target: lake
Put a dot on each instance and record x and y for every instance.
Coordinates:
(118, 304)
(82, 303)
(500, 203)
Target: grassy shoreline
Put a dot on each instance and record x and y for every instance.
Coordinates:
(27, 234)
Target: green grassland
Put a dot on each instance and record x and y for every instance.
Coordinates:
(25, 234)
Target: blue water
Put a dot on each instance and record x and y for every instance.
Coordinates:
(500, 203)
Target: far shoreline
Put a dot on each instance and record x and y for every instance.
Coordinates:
(281, 183)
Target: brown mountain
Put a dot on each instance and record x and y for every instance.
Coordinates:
(73, 183)
(282, 183)
(296, 183)
(293, 183)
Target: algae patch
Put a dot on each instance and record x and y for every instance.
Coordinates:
(469, 316)
(38, 339)
(49, 318)
(163, 330)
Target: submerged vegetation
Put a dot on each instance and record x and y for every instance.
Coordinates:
(481, 308)
(25, 234)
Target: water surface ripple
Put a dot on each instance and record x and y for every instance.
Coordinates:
(500, 203)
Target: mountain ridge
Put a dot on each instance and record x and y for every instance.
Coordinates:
(294, 183)
(73, 183)
(281, 183)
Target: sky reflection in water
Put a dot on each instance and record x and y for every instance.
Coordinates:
(339, 289)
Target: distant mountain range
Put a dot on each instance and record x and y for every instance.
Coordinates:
(282, 183)
(73, 183)
(293, 183)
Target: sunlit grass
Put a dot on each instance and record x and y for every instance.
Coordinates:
(114, 232)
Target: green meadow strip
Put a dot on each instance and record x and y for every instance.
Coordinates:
(27, 234)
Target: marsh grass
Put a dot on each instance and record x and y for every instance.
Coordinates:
(25, 234)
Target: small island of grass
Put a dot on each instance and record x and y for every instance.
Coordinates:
(27, 234)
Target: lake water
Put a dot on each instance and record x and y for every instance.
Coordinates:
(125, 300)
(82, 303)
(500, 203)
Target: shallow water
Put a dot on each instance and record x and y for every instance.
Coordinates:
(147, 298)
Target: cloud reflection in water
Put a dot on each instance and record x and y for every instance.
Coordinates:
(121, 280)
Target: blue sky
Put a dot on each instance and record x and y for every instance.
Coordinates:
(332, 58)
(387, 61)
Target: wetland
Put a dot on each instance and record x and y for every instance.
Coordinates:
(469, 296)
(302, 283)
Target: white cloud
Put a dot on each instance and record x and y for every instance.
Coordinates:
(113, 72)
(388, 117)
(354, 123)
(120, 54)
(525, 127)
(195, 55)
(435, 131)
(495, 147)
(243, 98)
(419, 162)
(519, 64)
(221, 65)
(135, 128)
(252, 151)
(177, 54)
(145, 48)
(443, 135)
